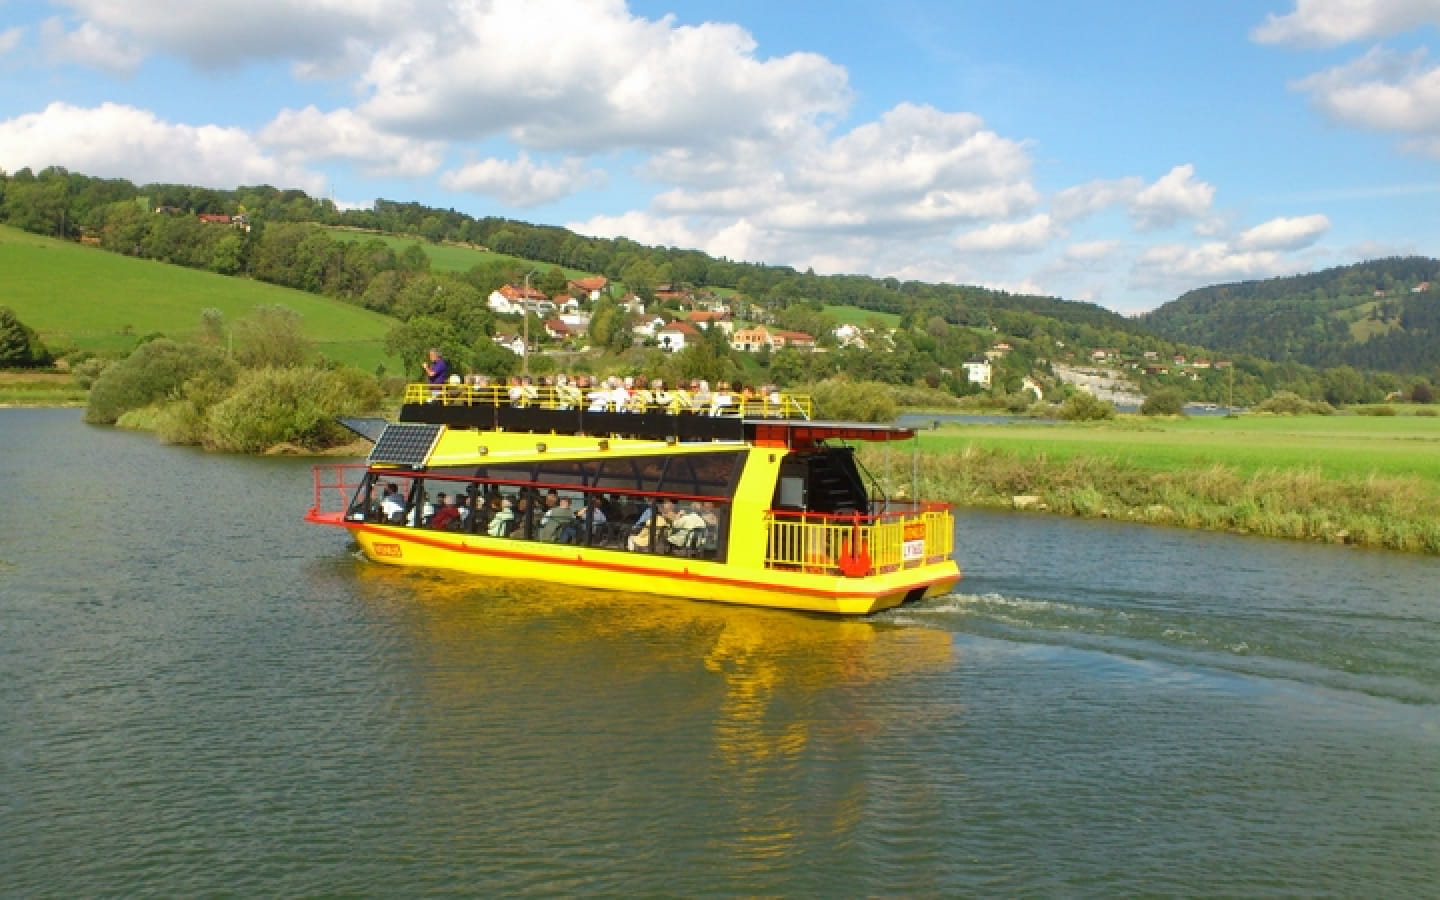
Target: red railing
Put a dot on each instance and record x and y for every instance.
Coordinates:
(335, 485)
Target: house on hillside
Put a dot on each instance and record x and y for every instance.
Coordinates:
(557, 329)
(590, 287)
(647, 328)
(978, 371)
(796, 339)
(509, 300)
(750, 340)
(512, 342)
(849, 336)
(674, 336)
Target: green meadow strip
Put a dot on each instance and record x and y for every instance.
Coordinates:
(1338, 480)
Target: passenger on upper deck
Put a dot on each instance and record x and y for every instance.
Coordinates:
(436, 370)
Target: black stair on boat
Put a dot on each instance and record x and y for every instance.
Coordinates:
(833, 483)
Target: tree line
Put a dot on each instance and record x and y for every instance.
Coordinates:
(286, 239)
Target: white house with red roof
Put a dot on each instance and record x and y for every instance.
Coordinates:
(674, 336)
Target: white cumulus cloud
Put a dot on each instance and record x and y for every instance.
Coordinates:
(1381, 91)
(522, 182)
(88, 45)
(308, 133)
(1010, 237)
(1175, 196)
(603, 78)
(117, 141)
(1285, 233)
(228, 33)
(1327, 23)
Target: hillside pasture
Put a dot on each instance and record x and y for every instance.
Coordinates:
(854, 315)
(449, 257)
(93, 300)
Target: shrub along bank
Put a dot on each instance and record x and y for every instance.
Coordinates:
(263, 395)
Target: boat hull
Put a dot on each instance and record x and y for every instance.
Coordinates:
(649, 573)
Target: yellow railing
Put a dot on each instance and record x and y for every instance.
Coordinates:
(778, 405)
(860, 545)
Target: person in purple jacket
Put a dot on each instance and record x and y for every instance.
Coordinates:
(436, 369)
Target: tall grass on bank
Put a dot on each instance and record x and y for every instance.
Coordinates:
(1390, 511)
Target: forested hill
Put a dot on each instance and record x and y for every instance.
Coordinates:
(1383, 315)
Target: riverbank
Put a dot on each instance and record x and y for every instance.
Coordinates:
(1368, 481)
(40, 389)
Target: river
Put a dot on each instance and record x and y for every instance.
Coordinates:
(201, 695)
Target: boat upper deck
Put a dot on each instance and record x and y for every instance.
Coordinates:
(780, 419)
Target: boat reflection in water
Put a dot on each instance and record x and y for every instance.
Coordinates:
(668, 700)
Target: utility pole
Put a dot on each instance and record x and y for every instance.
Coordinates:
(525, 324)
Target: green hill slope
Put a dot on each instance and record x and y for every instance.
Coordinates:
(104, 302)
(447, 257)
(1383, 315)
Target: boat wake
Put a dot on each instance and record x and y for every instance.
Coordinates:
(1252, 642)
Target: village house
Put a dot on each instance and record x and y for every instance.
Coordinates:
(977, 371)
(557, 329)
(509, 300)
(750, 340)
(673, 337)
(512, 342)
(647, 328)
(589, 287)
(848, 335)
(799, 340)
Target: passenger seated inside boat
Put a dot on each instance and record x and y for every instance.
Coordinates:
(687, 532)
(392, 505)
(504, 519)
(556, 520)
(652, 528)
(447, 517)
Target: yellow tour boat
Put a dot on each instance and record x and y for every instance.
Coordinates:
(749, 502)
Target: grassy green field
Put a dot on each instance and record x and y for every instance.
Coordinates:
(854, 315)
(1338, 446)
(448, 257)
(104, 302)
(40, 389)
(1371, 481)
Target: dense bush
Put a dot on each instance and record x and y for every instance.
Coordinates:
(1383, 409)
(1164, 402)
(1083, 407)
(1286, 403)
(290, 406)
(20, 346)
(853, 401)
(155, 371)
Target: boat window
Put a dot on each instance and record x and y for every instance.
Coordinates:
(705, 474)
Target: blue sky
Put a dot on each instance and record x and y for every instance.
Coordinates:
(1115, 152)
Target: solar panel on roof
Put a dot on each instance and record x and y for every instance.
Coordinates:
(405, 444)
